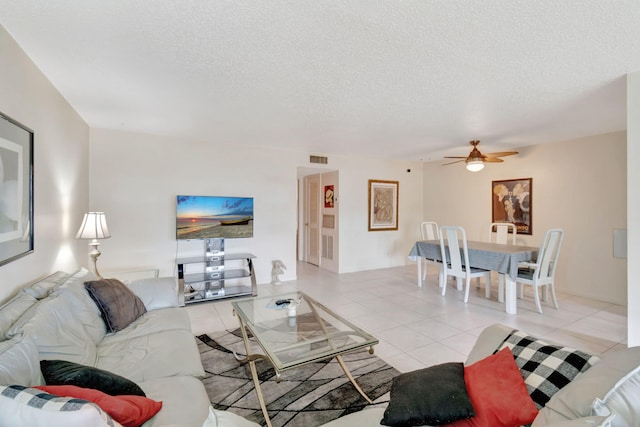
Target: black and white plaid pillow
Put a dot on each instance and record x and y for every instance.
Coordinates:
(546, 368)
(19, 403)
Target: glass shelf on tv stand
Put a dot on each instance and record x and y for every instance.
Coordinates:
(215, 275)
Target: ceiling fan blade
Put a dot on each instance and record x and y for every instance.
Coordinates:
(457, 161)
(455, 157)
(501, 154)
(493, 159)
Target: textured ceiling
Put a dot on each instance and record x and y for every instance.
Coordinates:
(397, 79)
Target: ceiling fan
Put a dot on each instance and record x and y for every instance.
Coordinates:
(475, 160)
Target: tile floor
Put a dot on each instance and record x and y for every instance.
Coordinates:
(417, 327)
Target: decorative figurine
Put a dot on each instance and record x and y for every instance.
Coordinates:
(277, 268)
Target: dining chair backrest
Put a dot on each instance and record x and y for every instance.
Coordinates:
(452, 237)
(429, 230)
(502, 232)
(548, 254)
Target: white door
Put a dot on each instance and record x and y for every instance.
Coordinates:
(329, 221)
(312, 219)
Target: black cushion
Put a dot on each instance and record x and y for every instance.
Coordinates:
(62, 372)
(434, 395)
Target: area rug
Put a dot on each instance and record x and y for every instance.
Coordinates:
(306, 396)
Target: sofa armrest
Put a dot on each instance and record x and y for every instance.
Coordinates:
(155, 293)
(488, 342)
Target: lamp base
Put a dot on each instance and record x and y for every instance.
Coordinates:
(94, 254)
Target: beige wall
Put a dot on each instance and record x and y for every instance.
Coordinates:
(135, 179)
(578, 185)
(61, 153)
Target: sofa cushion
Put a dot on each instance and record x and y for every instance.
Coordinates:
(592, 421)
(156, 293)
(498, 393)
(575, 400)
(57, 332)
(433, 395)
(622, 401)
(227, 419)
(19, 362)
(155, 355)
(128, 410)
(23, 406)
(160, 320)
(85, 310)
(117, 303)
(11, 311)
(184, 401)
(546, 368)
(43, 287)
(62, 372)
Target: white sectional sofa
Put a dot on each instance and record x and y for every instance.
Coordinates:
(56, 319)
(607, 394)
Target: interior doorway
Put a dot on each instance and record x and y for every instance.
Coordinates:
(318, 219)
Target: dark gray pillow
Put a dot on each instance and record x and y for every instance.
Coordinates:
(434, 395)
(118, 305)
(62, 372)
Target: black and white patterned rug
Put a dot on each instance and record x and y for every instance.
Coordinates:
(307, 396)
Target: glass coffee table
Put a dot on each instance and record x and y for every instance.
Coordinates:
(293, 329)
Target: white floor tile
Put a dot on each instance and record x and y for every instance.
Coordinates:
(404, 363)
(404, 338)
(418, 327)
(437, 353)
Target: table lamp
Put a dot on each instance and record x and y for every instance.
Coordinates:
(94, 227)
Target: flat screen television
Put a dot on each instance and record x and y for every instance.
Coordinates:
(207, 217)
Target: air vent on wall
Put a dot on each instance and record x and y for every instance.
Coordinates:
(318, 159)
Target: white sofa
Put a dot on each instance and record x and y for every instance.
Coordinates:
(56, 319)
(608, 394)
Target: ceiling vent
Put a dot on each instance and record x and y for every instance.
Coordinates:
(319, 159)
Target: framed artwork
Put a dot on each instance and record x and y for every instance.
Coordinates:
(16, 190)
(328, 196)
(511, 201)
(383, 205)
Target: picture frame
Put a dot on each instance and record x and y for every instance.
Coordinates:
(16, 190)
(512, 201)
(329, 196)
(383, 205)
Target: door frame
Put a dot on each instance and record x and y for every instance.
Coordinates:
(302, 237)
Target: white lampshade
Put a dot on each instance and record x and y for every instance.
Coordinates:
(94, 226)
(475, 165)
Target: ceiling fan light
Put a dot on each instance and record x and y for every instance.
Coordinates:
(475, 165)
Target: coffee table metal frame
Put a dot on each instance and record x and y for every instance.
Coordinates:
(323, 335)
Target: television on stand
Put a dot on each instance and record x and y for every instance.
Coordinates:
(213, 217)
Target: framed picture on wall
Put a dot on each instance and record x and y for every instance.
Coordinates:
(383, 205)
(511, 201)
(16, 190)
(328, 196)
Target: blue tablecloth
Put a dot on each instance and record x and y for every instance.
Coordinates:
(489, 256)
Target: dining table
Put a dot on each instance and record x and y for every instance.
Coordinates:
(502, 258)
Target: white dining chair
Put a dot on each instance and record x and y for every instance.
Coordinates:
(542, 272)
(429, 231)
(501, 236)
(457, 260)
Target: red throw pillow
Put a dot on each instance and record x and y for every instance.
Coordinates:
(498, 393)
(128, 410)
